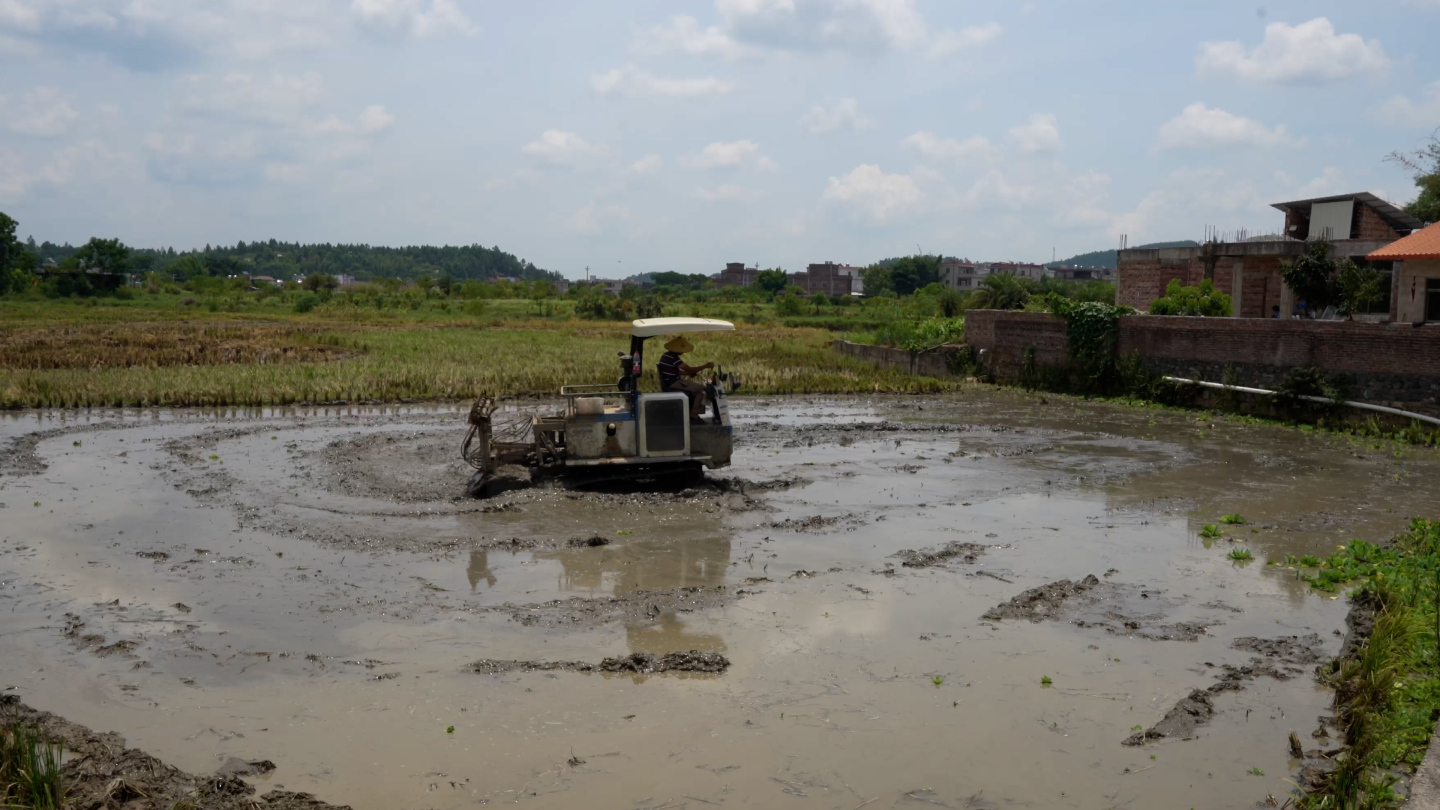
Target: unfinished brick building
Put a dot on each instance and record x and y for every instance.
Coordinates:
(1249, 270)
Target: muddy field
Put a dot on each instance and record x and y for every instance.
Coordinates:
(987, 600)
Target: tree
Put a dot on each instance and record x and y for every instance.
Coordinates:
(1424, 163)
(105, 255)
(1001, 291)
(771, 281)
(317, 282)
(1359, 288)
(10, 251)
(1202, 300)
(878, 280)
(912, 273)
(1312, 276)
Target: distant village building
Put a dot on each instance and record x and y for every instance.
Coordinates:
(562, 286)
(1082, 273)
(736, 274)
(258, 280)
(343, 279)
(1034, 272)
(961, 275)
(830, 279)
(610, 285)
(1357, 226)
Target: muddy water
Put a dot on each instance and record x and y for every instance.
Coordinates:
(305, 587)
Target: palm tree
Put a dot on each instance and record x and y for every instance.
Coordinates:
(1000, 291)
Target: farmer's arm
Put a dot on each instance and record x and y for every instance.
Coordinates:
(691, 371)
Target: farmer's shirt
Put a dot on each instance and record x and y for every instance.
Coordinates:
(669, 369)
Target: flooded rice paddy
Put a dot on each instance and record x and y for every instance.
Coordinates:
(881, 576)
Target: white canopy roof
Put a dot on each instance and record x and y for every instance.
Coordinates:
(650, 327)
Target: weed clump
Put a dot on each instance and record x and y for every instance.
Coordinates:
(29, 770)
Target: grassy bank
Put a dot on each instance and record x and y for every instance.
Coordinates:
(1387, 686)
(74, 355)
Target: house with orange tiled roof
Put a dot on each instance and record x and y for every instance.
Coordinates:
(1415, 285)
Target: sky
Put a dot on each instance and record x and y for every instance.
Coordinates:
(635, 136)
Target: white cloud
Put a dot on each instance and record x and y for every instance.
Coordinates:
(93, 161)
(165, 34)
(729, 193)
(1308, 52)
(931, 146)
(42, 111)
(373, 119)
(591, 219)
(1201, 127)
(977, 36)
(1039, 134)
(648, 164)
(17, 14)
(630, 80)
(845, 25)
(843, 114)
(871, 192)
(416, 18)
(1401, 111)
(239, 95)
(683, 34)
(727, 155)
(564, 149)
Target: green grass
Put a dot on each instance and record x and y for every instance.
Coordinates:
(78, 357)
(1387, 693)
(29, 770)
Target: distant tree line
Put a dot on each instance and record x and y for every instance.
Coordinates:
(21, 262)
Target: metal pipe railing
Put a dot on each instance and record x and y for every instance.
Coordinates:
(1361, 405)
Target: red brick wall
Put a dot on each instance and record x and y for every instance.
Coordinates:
(1369, 225)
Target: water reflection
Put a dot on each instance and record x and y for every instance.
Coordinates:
(644, 565)
(479, 569)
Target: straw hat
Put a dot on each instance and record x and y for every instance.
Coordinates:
(679, 345)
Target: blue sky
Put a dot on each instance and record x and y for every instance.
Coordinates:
(633, 136)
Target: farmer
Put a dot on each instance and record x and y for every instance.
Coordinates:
(675, 375)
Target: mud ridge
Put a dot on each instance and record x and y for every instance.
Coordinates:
(954, 550)
(1043, 602)
(1279, 658)
(100, 772)
(1118, 609)
(639, 663)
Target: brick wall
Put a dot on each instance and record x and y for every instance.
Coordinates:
(933, 363)
(1369, 225)
(1391, 363)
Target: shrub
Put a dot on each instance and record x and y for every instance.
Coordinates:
(1203, 300)
(788, 305)
(306, 302)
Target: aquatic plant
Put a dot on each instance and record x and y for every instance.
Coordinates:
(937, 680)
(1045, 680)
(1210, 530)
(29, 770)
(1233, 520)
(1256, 771)
(1241, 554)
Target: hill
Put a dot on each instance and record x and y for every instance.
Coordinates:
(1107, 258)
